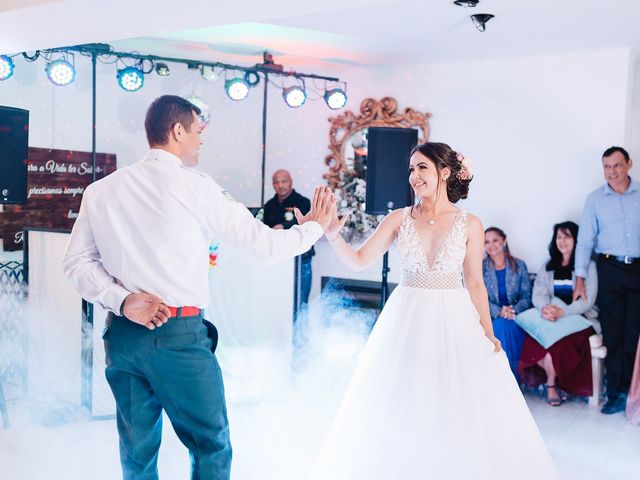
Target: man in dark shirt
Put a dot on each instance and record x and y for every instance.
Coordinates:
(278, 214)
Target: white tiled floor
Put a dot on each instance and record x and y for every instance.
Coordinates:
(587, 444)
(276, 441)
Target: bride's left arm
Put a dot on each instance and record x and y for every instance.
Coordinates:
(473, 276)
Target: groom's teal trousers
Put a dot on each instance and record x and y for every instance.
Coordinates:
(171, 368)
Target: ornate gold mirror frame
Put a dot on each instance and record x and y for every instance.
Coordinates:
(373, 113)
(346, 175)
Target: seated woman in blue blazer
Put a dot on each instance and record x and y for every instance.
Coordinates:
(509, 290)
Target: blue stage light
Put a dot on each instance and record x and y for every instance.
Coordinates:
(237, 88)
(6, 67)
(60, 72)
(336, 98)
(294, 96)
(130, 79)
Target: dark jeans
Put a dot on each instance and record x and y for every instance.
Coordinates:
(305, 280)
(619, 303)
(170, 368)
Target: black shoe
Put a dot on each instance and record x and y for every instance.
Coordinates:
(615, 404)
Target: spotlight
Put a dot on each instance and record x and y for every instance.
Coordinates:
(335, 98)
(60, 72)
(480, 20)
(130, 79)
(251, 78)
(162, 69)
(466, 3)
(205, 110)
(208, 73)
(237, 88)
(6, 67)
(295, 96)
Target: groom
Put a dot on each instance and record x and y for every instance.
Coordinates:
(139, 247)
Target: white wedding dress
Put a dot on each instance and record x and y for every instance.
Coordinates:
(430, 399)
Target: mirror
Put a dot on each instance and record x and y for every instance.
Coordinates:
(347, 159)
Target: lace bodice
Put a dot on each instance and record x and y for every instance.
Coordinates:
(446, 270)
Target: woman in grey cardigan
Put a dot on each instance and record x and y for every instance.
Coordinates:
(556, 350)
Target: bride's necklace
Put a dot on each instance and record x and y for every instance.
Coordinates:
(431, 220)
(431, 217)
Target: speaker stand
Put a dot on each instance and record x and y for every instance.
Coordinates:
(384, 286)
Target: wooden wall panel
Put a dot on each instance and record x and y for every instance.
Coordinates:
(56, 180)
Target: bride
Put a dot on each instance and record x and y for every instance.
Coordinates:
(432, 396)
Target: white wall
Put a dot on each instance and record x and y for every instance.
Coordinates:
(535, 128)
(633, 111)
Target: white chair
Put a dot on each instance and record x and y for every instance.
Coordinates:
(598, 354)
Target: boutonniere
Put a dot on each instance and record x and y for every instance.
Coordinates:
(213, 254)
(288, 216)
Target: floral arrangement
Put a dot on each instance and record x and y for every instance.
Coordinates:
(351, 200)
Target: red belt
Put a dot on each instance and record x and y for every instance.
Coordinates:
(184, 311)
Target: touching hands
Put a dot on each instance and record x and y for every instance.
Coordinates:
(146, 309)
(335, 225)
(322, 207)
(508, 312)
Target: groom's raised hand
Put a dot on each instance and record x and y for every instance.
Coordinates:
(322, 206)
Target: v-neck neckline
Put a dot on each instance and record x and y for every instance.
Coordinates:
(439, 251)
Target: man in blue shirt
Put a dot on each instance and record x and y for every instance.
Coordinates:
(610, 227)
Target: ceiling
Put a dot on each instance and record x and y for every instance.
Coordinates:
(332, 32)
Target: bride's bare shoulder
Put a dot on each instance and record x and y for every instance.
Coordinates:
(396, 215)
(395, 218)
(474, 222)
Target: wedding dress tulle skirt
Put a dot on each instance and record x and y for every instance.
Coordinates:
(430, 399)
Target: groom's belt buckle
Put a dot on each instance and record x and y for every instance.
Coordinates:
(184, 311)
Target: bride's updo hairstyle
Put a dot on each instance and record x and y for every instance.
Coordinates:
(443, 156)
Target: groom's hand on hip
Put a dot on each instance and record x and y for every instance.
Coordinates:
(145, 309)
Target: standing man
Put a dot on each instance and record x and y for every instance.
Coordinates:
(610, 226)
(278, 214)
(140, 248)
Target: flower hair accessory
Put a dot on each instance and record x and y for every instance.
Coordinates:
(465, 168)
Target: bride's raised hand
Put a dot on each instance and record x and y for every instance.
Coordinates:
(335, 224)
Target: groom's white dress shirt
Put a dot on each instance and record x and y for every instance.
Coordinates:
(148, 227)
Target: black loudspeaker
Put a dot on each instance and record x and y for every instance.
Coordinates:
(388, 152)
(14, 150)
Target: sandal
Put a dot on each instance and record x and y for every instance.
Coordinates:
(554, 402)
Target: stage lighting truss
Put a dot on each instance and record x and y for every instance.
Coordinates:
(162, 69)
(61, 72)
(335, 98)
(6, 67)
(237, 88)
(251, 78)
(208, 73)
(130, 79)
(132, 68)
(295, 95)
